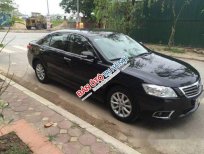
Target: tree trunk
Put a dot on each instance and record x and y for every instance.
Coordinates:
(99, 23)
(171, 38)
(5, 35)
(104, 25)
(175, 20)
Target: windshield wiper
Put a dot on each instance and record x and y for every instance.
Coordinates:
(114, 59)
(144, 54)
(140, 55)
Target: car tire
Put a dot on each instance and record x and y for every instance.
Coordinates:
(41, 72)
(28, 27)
(44, 26)
(122, 105)
(39, 26)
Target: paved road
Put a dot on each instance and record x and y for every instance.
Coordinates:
(180, 136)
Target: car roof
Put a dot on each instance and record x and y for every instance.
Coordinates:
(87, 33)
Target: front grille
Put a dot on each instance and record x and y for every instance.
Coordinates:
(192, 90)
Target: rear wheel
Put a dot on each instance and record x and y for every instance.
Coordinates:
(28, 27)
(40, 72)
(122, 105)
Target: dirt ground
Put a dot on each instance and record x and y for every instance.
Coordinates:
(61, 26)
(179, 52)
(18, 26)
(158, 47)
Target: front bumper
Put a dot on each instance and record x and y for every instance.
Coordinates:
(167, 109)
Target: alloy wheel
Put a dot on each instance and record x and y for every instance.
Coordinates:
(121, 104)
(40, 71)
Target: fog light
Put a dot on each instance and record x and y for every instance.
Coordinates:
(162, 114)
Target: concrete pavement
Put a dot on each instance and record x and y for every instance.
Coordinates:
(69, 133)
(180, 136)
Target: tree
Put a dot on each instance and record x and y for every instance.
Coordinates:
(176, 16)
(101, 12)
(10, 22)
(86, 7)
(118, 15)
(176, 12)
(6, 6)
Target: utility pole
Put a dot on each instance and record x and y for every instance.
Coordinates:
(48, 11)
(78, 14)
(48, 17)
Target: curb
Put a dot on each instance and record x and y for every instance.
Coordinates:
(121, 147)
(27, 31)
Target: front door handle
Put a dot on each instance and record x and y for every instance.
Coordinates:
(41, 49)
(67, 59)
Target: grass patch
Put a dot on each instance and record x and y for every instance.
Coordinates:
(52, 137)
(16, 150)
(12, 144)
(75, 125)
(1, 45)
(56, 23)
(174, 50)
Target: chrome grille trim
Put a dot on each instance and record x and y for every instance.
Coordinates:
(192, 90)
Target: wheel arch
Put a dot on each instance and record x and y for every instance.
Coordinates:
(38, 59)
(135, 105)
(111, 86)
(34, 61)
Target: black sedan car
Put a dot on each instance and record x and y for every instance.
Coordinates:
(153, 84)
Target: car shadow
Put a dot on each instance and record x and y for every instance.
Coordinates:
(72, 91)
(155, 124)
(145, 123)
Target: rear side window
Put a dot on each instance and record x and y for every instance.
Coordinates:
(45, 41)
(60, 41)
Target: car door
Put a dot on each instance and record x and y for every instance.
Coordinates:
(83, 69)
(56, 56)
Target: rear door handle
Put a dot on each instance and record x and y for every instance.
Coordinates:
(67, 59)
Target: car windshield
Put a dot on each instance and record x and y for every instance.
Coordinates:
(115, 46)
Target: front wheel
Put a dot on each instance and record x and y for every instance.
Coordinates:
(40, 72)
(122, 105)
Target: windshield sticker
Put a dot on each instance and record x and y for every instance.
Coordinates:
(101, 79)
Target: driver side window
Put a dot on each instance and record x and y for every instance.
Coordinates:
(78, 44)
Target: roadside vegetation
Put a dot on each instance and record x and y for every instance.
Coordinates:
(135, 18)
(56, 22)
(12, 144)
(174, 50)
(9, 143)
(51, 138)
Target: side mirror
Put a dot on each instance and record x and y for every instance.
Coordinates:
(88, 55)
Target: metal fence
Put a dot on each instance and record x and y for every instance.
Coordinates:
(189, 29)
(188, 33)
(4, 18)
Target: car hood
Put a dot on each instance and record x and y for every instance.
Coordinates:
(162, 70)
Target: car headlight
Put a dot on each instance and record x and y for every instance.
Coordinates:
(159, 91)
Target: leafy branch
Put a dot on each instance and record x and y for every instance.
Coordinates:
(3, 122)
